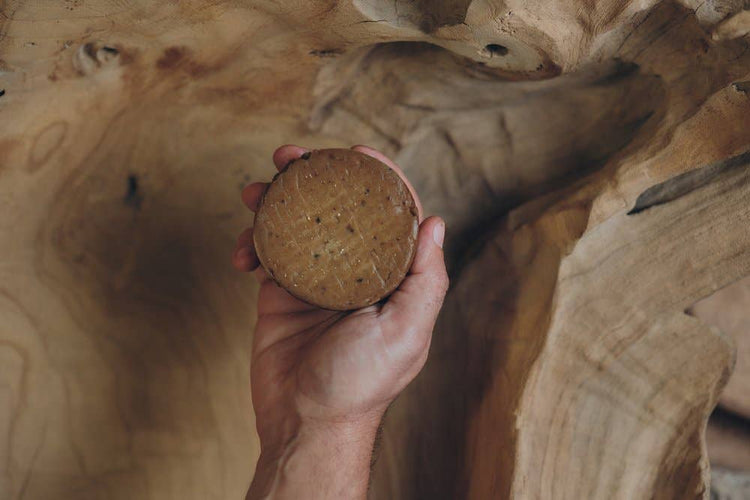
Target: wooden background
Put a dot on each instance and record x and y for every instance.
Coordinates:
(564, 364)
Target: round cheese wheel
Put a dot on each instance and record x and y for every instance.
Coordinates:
(337, 228)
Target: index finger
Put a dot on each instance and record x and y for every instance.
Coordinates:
(286, 153)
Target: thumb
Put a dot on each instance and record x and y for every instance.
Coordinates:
(416, 303)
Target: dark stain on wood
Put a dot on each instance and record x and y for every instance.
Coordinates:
(133, 195)
(90, 50)
(171, 57)
(620, 71)
(174, 58)
(326, 52)
(683, 184)
(110, 50)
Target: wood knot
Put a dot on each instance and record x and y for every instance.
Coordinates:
(494, 50)
(94, 55)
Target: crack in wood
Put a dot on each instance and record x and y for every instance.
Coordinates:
(683, 184)
(133, 195)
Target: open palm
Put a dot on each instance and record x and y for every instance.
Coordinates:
(335, 366)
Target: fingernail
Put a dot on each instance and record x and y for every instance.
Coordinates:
(438, 234)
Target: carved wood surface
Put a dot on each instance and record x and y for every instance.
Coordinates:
(728, 433)
(563, 365)
(729, 310)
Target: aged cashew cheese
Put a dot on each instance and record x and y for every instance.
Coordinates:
(337, 228)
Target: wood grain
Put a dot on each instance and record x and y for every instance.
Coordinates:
(563, 365)
(729, 310)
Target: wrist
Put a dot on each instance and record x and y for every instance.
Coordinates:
(316, 459)
(276, 432)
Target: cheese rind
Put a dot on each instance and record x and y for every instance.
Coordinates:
(337, 228)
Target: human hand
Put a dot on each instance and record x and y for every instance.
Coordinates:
(321, 380)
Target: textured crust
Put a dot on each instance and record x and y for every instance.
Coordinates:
(337, 228)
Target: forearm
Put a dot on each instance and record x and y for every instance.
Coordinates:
(316, 462)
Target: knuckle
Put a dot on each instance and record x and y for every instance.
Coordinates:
(443, 282)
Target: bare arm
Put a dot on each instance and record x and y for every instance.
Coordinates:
(322, 462)
(321, 380)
